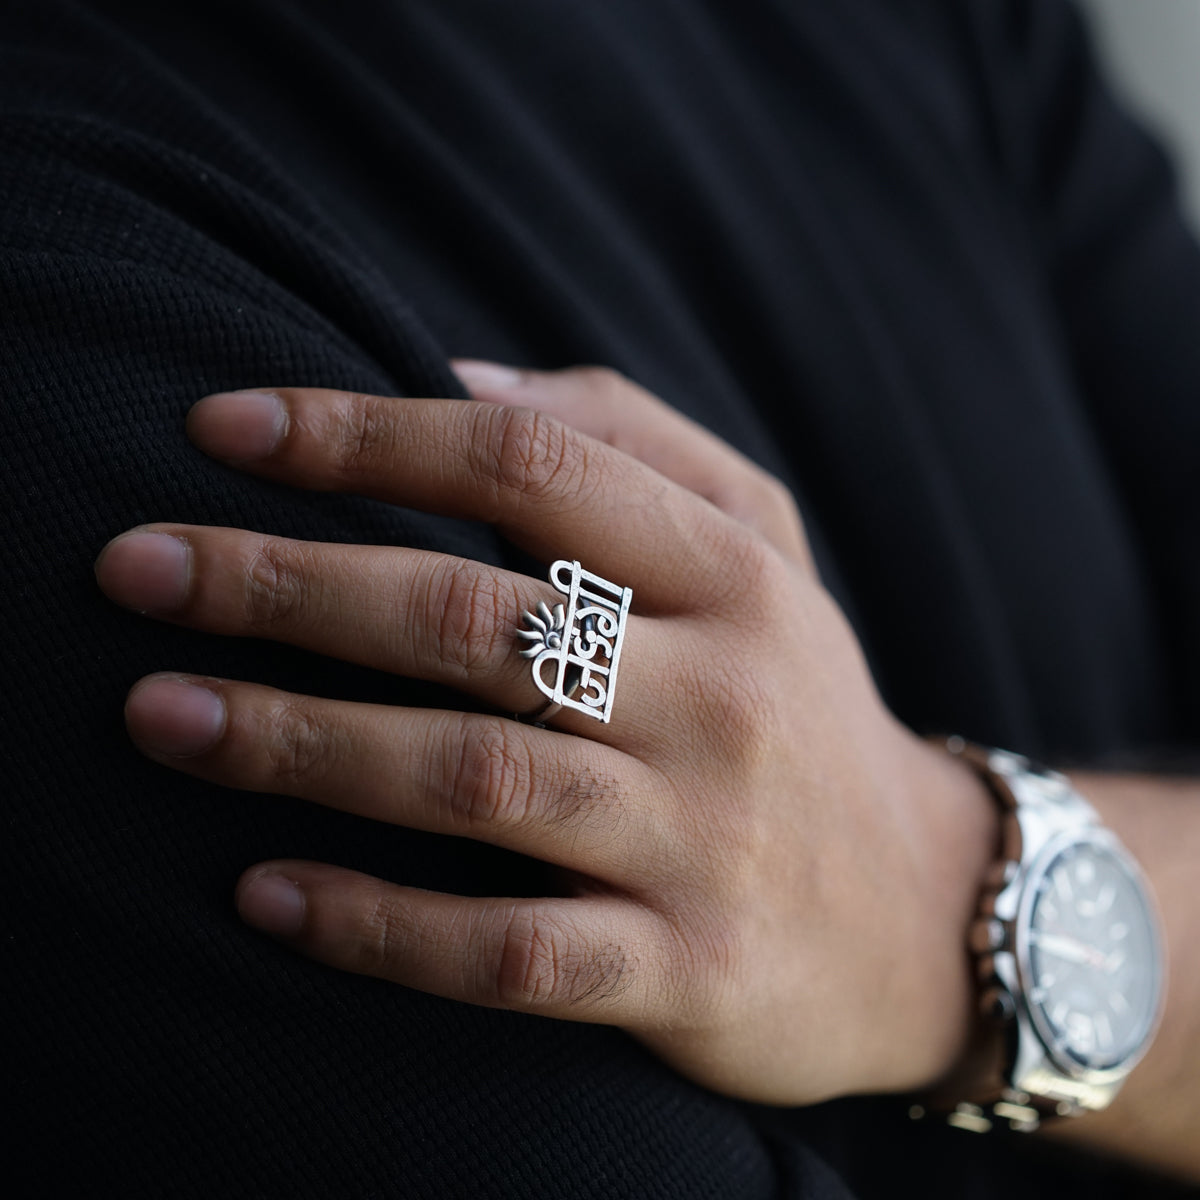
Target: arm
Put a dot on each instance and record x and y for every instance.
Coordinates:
(1097, 199)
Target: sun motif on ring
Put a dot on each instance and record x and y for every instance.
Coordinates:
(546, 629)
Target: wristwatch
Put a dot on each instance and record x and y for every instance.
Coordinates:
(1068, 949)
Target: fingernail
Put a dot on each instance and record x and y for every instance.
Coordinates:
(145, 571)
(171, 717)
(238, 426)
(273, 904)
(486, 376)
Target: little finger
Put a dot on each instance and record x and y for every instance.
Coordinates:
(583, 959)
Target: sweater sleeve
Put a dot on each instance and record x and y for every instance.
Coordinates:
(1123, 276)
(150, 255)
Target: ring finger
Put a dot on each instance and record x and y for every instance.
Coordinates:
(411, 612)
(568, 801)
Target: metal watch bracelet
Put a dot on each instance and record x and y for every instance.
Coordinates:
(1067, 954)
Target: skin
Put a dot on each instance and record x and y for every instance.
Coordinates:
(773, 877)
(1153, 1119)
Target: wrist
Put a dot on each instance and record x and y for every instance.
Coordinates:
(955, 839)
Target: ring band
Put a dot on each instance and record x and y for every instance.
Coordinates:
(579, 641)
(540, 716)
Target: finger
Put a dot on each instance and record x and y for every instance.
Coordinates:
(605, 405)
(548, 488)
(567, 801)
(585, 959)
(411, 612)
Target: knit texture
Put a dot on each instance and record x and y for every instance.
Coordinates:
(906, 255)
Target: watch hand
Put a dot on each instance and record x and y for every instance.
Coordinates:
(1069, 949)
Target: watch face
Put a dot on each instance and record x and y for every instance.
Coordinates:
(1091, 954)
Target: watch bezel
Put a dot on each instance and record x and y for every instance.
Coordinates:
(1062, 1059)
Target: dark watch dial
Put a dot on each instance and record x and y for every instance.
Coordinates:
(1091, 954)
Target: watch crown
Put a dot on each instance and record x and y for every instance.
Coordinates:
(1002, 873)
(996, 1004)
(987, 935)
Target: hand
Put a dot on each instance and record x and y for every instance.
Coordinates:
(773, 876)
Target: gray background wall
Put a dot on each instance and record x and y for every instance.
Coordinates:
(1153, 49)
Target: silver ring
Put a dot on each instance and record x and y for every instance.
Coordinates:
(540, 716)
(576, 646)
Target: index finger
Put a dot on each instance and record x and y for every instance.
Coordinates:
(548, 488)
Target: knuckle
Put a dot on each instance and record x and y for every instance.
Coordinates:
(585, 797)
(738, 712)
(494, 780)
(378, 937)
(362, 436)
(708, 965)
(607, 382)
(300, 749)
(471, 615)
(758, 580)
(491, 777)
(738, 723)
(528, 969)
(275, 586)
(777, 498)
(762, 500)
(542, 963)
(535, 455)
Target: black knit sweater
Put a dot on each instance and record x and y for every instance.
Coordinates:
(904, 253)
